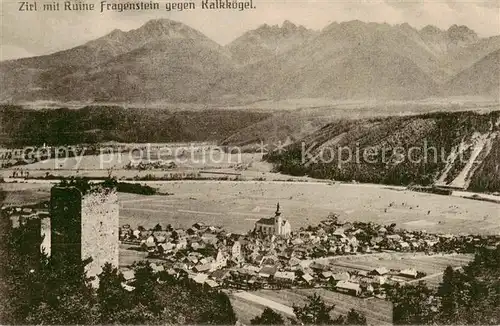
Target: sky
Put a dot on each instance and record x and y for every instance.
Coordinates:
(26, 34)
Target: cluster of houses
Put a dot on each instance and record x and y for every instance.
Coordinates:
(210, 256)
(274, 257)
(271, 255)
(150, 165)
(10, 157)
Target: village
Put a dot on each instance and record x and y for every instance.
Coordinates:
(271, 256)
(351, 263)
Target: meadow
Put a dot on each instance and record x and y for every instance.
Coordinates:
(429, 264)
(236, 205)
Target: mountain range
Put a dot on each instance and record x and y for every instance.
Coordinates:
(164, 60)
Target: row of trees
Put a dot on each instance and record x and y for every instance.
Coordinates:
(291, 162)
(469, 296)
(37, 289)
(314, 312)
(84, 185)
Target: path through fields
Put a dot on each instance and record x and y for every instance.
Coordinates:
(265, 302)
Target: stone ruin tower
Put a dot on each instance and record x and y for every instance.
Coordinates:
(84, 223)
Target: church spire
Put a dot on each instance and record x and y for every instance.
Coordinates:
(278, 213)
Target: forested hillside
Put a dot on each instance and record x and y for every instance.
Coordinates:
(450, 149)
(93, 124)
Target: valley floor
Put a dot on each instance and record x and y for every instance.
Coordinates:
(236, 205)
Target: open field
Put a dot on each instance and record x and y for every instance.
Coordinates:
(238, 204)
(425, 105)
(433, 265)
(424, 263)
(25, 193)
(245, 310)
(128, 256)
(250, 304)
(359, 108)
(248, 165)
(192, 159)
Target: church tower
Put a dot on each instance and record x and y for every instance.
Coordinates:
(278, 220)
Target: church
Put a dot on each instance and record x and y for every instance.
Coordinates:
(274, 225)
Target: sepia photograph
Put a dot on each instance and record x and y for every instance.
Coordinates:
(250, 162)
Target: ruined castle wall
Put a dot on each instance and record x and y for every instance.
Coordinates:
(46, 233)
(100, 222)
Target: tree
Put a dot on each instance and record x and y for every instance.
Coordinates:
(157, 227)
(219, 309)
(412, 304)
(355, 318)
(38, 290)
(111, 296)
(333, 217)
(448, 294)
(391, 228)
(60, 293)
(314, 312)
(268, 317)
(468, 297)
(145, 283)
(472, 296)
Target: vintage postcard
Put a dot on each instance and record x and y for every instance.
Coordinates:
(250, 162)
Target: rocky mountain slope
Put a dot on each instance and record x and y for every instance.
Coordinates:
(267, 41)
(162, 59)
(168, 61)
(482, 78)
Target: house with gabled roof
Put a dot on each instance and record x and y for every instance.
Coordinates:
(203, 268)
(285, 276)
(220, 274)
(409, 272)
(128, 275)
(236, 251)
(348, 287)
(342, 276)
(380, 271)
(211, 283)
(220, 260)
(267, 271)
(307, 277)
